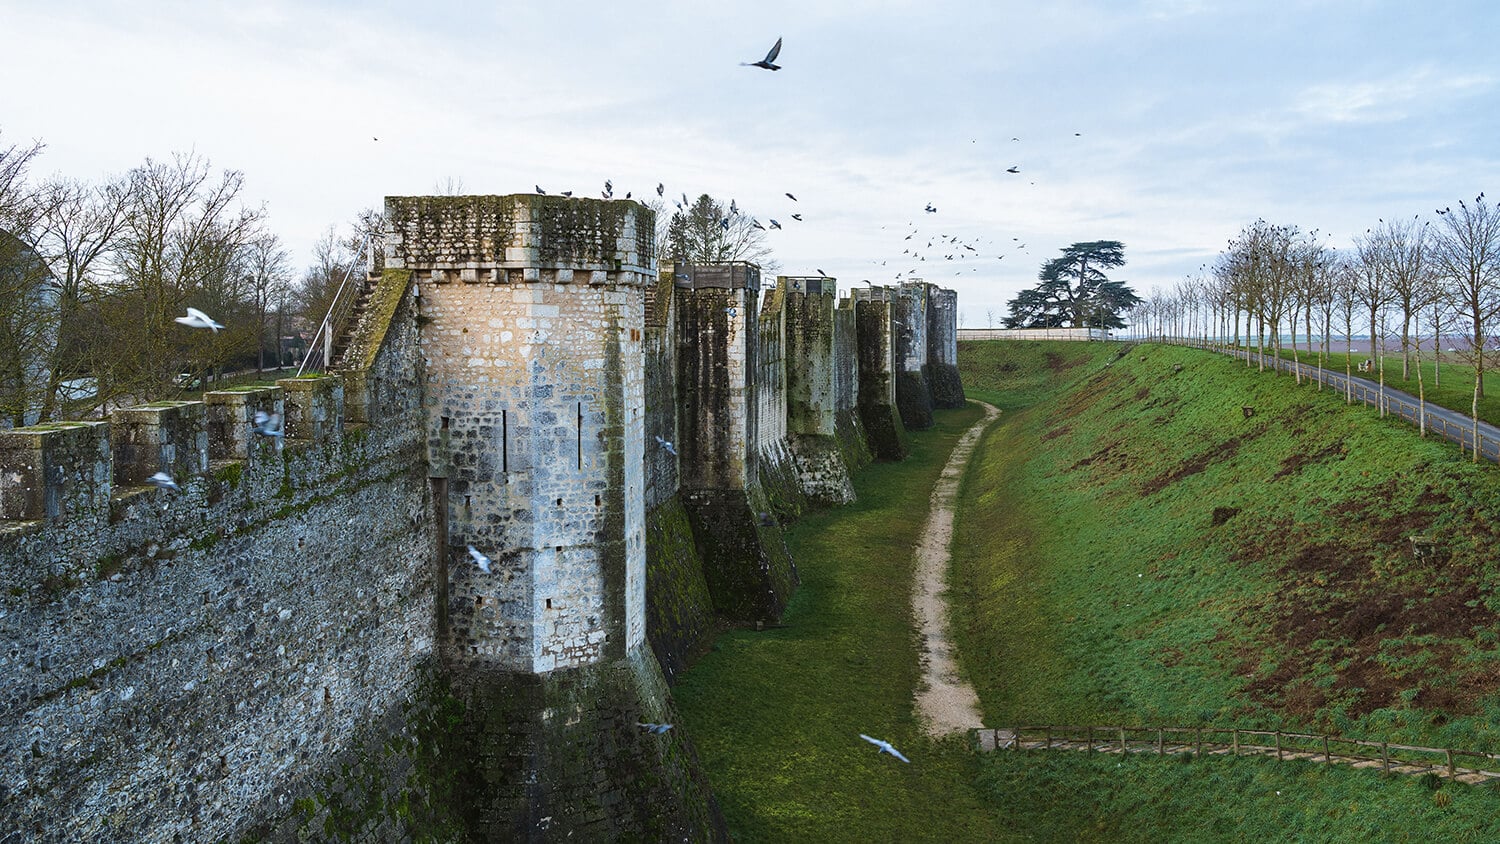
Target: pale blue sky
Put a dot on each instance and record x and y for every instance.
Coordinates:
(1195, 117)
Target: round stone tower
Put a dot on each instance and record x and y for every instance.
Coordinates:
(532, 314)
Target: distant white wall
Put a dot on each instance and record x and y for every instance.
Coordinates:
(966, 334)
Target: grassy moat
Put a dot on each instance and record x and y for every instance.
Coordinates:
(1130, 549)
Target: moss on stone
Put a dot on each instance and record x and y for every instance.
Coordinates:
(679, 609)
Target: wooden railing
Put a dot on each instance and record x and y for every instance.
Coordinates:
(1468, 765)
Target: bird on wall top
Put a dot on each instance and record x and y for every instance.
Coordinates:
(162, 480)
(540, 191)
(885, 747)
(769, 61)
(480, 559)
(267, 424)
(198, 319)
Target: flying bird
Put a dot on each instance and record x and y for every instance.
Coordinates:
(733, 209)
(797, 217)
(198, 319)
(769, 62)
(823, 274)
(480, 559)
(660, 189)
(792, 198)
(754, 223)
(162, 480)
(1015, 169)
(885, 747)
(267, 424)
(724, 223)
(667, 445)
(774, 224)
(658, 729)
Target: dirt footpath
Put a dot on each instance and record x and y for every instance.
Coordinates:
(947, 703)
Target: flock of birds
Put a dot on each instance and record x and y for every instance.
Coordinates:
(939, 246)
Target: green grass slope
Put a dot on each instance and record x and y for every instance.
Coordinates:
(1132, 549)
(776, 715)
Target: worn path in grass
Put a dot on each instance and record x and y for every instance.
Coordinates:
(946, 702)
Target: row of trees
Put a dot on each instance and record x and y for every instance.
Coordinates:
(1402, 279)
(126, 255)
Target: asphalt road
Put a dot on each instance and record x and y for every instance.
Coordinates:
(1447, 423)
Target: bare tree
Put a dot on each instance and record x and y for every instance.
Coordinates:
(79, 227)
(707, 232)
(1465, 248)
(28, 310)
(269, 273)
(181, 239)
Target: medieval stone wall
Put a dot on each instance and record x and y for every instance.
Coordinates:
(192, 665)
(299, 645)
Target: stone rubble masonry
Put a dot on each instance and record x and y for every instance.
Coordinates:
(534, 341)
(814, 372)
(203, 665)
(298, 646)
(909, 321)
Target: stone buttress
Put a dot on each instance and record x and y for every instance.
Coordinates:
(820, 391)
(909, 322)
(942, 348)
(877, 376)
(532, 325)
(750, 574)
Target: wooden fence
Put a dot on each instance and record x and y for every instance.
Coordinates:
(1464, 765)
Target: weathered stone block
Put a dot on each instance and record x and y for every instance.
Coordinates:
(314, 408)
(170, 437)
(60, 470)
(230, 416)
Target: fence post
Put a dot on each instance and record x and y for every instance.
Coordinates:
(1385, 756)
(1198, 741)
(1160, 741)
(1091, 740)
(1235, 741)
(1049, 738)
(1448, 755)
(1123, 747)
(1278, 744)
(1327, 757)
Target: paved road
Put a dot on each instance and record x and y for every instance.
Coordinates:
(1450, 424)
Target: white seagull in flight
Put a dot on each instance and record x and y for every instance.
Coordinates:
(198, 319)
(885, 747)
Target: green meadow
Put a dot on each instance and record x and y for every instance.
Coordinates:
(1130, 549)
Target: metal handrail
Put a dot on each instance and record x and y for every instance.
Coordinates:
(333, 321)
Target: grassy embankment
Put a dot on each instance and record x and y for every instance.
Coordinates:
(1131, 549)
(776, 715)
(1455, 379)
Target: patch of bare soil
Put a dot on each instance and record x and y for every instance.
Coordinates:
(1193, 465)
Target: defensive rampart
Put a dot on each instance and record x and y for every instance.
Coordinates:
(299, 642)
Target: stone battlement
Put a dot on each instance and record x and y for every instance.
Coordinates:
(521, 238)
